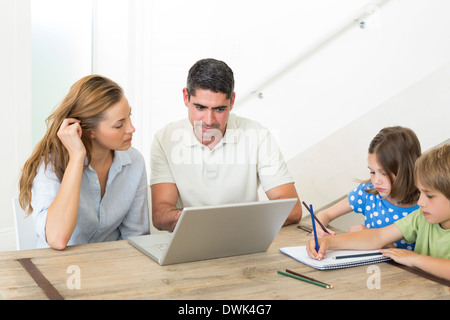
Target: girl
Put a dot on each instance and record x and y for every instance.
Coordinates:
(390, 194)
(83, 183)
(428, 227)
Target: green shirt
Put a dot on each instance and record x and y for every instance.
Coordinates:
(430, 239)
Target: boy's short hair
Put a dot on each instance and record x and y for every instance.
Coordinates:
(432, 170)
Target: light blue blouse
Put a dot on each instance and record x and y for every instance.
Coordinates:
(122, 212)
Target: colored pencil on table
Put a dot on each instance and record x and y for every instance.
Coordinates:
(315, 218)
(358, 255)
(307, 229)
(304, 279)
(303, 276)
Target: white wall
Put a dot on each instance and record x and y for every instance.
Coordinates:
(15, 94)
(61, 44)
(123, 52)
(355, 73)
(327, 170)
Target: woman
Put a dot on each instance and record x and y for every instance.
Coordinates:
(83, 183)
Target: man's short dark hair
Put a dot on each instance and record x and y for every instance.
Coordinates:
(210, 74)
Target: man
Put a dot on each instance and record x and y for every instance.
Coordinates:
(214, 157)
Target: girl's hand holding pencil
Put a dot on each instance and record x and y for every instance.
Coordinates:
(319, 251)
(323, 244)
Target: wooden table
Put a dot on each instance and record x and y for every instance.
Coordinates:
(116, 270)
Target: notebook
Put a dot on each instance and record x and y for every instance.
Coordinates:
(217, 231)
(330, 262)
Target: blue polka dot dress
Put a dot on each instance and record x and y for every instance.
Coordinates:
(378, 212)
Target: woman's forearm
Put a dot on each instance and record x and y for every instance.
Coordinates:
(63, 212)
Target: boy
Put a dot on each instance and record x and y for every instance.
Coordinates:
(428, 227)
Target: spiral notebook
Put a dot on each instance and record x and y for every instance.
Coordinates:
(330, 262)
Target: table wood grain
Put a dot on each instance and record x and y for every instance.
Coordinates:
(116, 270)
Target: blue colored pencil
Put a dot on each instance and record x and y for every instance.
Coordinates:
(315, 218)
(314, 227)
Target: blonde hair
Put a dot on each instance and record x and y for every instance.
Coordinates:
(397, 149)
(433, 170)
(87, 101)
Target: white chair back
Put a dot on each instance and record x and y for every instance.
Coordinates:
(26, 237)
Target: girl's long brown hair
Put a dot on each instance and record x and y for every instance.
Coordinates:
(87, 100)
(397, 149)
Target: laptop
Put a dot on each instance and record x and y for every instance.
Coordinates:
(211, 232)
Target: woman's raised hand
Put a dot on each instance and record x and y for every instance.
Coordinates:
(70, 135)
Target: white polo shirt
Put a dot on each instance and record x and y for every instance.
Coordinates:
(231, 172)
